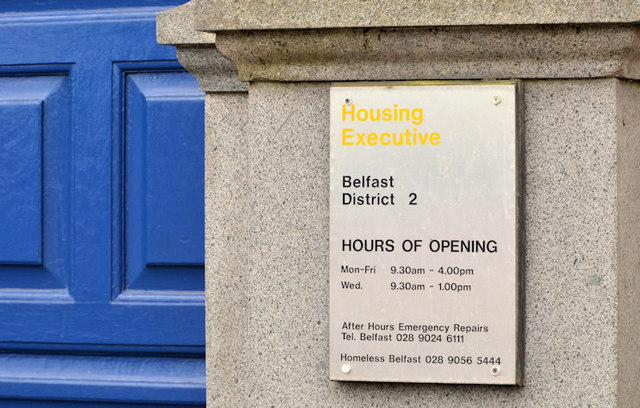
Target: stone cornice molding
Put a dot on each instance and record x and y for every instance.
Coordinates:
(175, 27)
(215, 73)
(197, 51)
(223, 15)
(401, 53)
(474, 52)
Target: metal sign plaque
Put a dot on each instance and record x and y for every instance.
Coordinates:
(424, 232)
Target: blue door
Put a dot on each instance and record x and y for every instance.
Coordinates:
(101, 209)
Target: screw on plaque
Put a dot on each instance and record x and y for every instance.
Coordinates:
(346, 368)
(495, 370)
(496, 100)
(347, 101)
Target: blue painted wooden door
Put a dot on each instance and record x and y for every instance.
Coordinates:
(101, 208)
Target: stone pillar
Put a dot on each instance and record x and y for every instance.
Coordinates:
(268, 186)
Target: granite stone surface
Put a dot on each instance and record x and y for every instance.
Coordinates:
(175, 26)
(196, 51)
(215, 73)
(227, 246)
(221, 15)
(267, 253)
(628, 123)
(435, 53)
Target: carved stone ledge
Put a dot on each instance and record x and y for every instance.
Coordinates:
(225, 15)
(215, 73)
(475, 52)
(197, 51)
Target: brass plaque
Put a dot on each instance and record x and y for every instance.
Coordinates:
(424, 232)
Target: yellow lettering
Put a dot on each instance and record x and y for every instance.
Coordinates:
(346, 136)
(408, 137)
(345, 113)
(416, 116)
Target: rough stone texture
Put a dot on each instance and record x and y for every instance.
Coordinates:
(197, 51)
(215, 73)
(435, 53)
(570, 218)
(628, 123)
(175, 27)
(226, 200)
(267, 253)
(220, 15)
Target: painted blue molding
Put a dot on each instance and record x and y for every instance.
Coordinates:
(103, 378)
(7, 6)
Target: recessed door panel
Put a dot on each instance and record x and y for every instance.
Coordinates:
(164, 190)
(35, 137)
